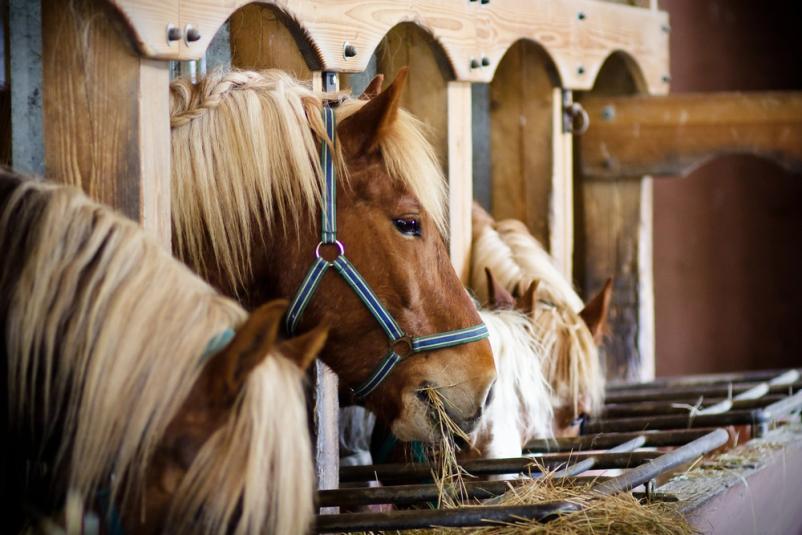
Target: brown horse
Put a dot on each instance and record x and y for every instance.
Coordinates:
(246, 202)
(568, 331)
(128, 390)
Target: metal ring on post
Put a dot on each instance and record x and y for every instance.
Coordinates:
(576, 111)
(339, 245)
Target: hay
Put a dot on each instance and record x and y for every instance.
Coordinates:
(600, 514)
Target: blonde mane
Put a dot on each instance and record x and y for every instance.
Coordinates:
(104, 332)
(516, 258)
(521, 407)
(245, 160)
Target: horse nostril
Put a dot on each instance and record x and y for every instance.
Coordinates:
(489, 397)
(422, 392)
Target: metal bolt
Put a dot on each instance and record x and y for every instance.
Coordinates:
(580, 70)
(475, 63)
(666, 78)
(349, 50)
(580, 15)
(666, 28)
(608, 113)
(485, 61)
(191, 34)
(485, 1)
(173, 33)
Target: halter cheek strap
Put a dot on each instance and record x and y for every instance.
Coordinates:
(395, 334)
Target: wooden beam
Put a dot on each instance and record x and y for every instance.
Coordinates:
(106, 120)
(671, 135)
(578, 34)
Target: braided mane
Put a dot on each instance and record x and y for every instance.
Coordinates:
(245, 163)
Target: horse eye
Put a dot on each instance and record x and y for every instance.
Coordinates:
(408, 227)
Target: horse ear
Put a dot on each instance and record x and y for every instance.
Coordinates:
(251, 345)
(498, 296)
(373, 89)
(361, 132)
(302, 350)
(526, 302)
(595, 312)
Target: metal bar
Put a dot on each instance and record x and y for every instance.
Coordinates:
(654, 439)
(783, 407)
(682, 455)
(654, 408)
(486, 467)
(672, 421)
(694, 391)
(705, 379)
(588, 463)
(459, 517)
(420, 493)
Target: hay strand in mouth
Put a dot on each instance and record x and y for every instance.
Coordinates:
(447, 473)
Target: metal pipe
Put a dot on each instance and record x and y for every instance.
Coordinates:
(485, 467)
(704, 379)
(588, 463)
(722, 390)
(655, 408)
(682, 455)
(654, 439)
(675, 421)
(458, 517)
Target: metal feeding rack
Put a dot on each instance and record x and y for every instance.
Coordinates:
(645, 431)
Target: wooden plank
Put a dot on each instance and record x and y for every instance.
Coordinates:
(460, 169)
(578, 34)
(561, 198)
(672, 135)
(524, 150)
(106, 120)
(261, 39)
(614, 229)
(5, 88)
(427, 85)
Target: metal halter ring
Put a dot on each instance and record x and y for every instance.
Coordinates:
(339, 245)
(405, 340)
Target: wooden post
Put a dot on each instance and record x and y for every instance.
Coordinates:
(460, 183)
(561, 200)
(614, 227)
(106, 113)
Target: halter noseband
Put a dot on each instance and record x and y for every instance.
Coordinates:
(396, 336)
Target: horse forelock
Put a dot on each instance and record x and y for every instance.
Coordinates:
(245, 160)
(101, 324)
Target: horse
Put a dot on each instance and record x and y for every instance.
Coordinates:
(255, 156)
(134, 388)
(569, 331)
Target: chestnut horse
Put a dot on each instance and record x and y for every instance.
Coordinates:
(568, 331)
(128, 389)
(247, 194)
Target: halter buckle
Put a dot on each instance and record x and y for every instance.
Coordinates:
(405, 340)
(339, 245)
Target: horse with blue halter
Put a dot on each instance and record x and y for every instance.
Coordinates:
(256, 158)
(135, 393)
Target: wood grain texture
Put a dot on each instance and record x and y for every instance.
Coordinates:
(426, 92)
(614, 239)
(325, 427)
(261, 39)
(460, 172)
(106, 120)
(521, 138)
(467, 31)
(672, 135)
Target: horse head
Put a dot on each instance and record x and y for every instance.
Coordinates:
(240, 136)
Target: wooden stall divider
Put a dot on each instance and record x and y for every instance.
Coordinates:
(106, 113)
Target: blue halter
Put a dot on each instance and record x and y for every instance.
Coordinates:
(341, 264)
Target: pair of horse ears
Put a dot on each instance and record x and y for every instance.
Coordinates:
(255, 340)
(594, 314)
(362, 132)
